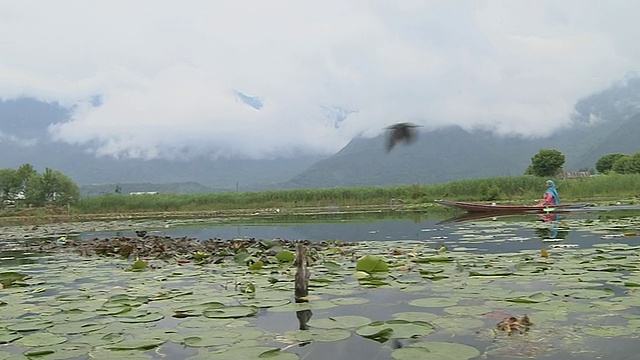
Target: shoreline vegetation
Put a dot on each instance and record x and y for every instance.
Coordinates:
(605, 189)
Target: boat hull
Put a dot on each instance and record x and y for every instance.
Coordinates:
(497, 208)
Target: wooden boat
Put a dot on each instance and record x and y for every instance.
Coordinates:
(500, 208)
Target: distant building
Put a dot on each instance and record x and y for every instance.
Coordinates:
(575, 174)
(144, 193)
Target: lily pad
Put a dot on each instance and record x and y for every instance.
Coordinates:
(210, 338)
(29, 325)
(340, 322)
(285, 256)
(56, 352)
(8, 336)
(371, 264)
(350, 301)
(321, 335)
(140, 316)
(41, 339)
(230, 312)
(436, 350)
(75, 328)
(397, 329)
(253, 352)
(143, 342)
(9, 278)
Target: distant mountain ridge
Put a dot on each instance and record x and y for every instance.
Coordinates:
(605, 122)
(28, 119)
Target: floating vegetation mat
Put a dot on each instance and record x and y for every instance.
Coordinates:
(159, 297)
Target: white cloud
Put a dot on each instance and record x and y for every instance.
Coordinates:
(169, 73)
(10, 138)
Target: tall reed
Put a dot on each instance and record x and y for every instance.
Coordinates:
(520, 189)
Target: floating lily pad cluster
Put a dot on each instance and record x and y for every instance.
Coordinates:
(212, 300)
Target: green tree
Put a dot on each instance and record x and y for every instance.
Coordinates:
(627, 164)
(547, 162)
(9, 186)
(52, 187)
(605, 163)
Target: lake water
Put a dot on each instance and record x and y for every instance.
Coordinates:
(581, 297)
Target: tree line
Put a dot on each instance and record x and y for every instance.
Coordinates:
(549, 162)
(26, 185)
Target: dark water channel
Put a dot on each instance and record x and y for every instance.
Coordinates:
(493, 235)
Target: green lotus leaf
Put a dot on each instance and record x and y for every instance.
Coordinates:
(371, 264)
(311, 305)
(9, 278)
(71, 328)
(585, 293)
(496, 273)
(205, 323)
(8, 336)
(432, 259)
(436, 350)
(260, 302)
(56, 352)
(142, 342)
(139, 265)
(29, 325)
(99, 338)
(107, 354)
(321, 335)
(120, 300)
(197, 309)
(399, 329)
(332, 266)
(140, 316)
(377, 330)
(73, 297)
(350, 301)
(531, 299)
(610, 331)
(340, 322)
(360, 275)
(173, 293)
(41, 339)
(230, 312)
(210, 338)
(114, 310)
(285, 256)
(251, 352)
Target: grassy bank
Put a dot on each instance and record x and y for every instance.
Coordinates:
(523, 189)
(520, 189)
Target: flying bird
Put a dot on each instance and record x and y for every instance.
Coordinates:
(401, 132)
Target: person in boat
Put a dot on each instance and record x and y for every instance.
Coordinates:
(551, 196)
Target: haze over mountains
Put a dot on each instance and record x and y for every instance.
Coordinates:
(605, 122)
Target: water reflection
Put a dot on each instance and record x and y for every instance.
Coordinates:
(555, 228)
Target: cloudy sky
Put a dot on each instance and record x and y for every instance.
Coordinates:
(257, 78)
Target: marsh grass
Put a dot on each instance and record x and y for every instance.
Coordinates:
(519, 189)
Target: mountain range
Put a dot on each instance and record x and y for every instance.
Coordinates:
(604, 122)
